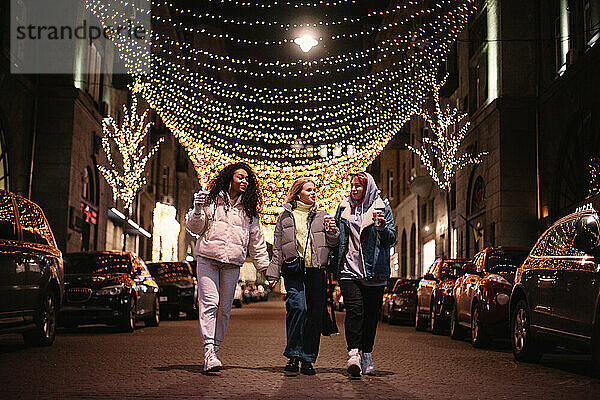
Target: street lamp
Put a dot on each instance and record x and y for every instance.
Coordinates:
(306, 42)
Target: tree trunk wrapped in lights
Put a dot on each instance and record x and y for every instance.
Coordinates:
(444, 145)
(126, 174)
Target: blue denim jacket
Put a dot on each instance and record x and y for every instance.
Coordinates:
(375, 242)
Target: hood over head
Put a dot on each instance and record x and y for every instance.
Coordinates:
(371, 192)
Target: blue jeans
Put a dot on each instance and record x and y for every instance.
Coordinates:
(304, 305)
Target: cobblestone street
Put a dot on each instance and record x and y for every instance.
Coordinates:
(166, 362)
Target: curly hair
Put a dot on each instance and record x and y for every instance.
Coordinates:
(252, 198)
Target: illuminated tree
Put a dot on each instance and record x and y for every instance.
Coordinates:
(444, 144)
(126, 172)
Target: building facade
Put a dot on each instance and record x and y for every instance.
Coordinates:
(526, 74)
(50, 150)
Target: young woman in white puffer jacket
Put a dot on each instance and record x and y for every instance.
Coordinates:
(226, 223)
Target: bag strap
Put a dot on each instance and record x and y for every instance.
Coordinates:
(307, 239)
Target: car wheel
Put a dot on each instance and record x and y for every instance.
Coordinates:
(457, 332)
(420, 322)
(524, 344)
(127, 323)
(45, 324)
(479, 338)
(434, 323)
(154, 319)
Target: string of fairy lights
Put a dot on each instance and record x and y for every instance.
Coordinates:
(127, 177)
(302, 128)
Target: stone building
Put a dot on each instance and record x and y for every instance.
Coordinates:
(50, 149)
(526, 73)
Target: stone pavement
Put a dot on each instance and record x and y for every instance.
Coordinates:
(166, 362)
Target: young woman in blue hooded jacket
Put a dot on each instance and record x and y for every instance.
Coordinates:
(362, 260)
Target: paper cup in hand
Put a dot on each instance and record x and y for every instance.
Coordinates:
(200, 198)
(328, 222)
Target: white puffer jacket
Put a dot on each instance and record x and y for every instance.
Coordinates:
(227, 234)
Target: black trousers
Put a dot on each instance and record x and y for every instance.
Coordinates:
(305, 304)
(362, 305)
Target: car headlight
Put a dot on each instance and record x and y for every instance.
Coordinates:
(109, 291)
(502, 298)
(498, 279)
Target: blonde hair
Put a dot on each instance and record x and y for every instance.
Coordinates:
(296, 188)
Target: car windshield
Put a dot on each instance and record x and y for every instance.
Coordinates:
(406, 286)
(505, 260)
(165, 270)
(452, 269)
(97, 264)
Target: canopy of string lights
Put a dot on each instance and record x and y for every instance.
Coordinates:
(230, 81)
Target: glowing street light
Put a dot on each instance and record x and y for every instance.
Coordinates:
(306, 42)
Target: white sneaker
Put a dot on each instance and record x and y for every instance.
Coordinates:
(211, 362)
(366, 364)
(353, 364)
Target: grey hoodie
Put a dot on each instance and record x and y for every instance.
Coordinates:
(353, 267)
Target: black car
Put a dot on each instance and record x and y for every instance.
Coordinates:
(177, 289)
(400, 305)
(31, 271)
(555, 299)
(113, 288)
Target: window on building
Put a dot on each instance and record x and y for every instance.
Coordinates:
(94, 70)
(20, 13)
(424, 213)
(86, 189)
(165, 180)
(390, 179)
(591, 21)
(478, 79)
(413, 251)
(432, 211)
(403, 255)
(477, 196)
(4, 176)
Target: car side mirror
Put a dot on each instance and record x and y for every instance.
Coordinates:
(587, 234)
(469, 268)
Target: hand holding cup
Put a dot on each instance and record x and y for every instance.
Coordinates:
(379, 217)
(200, 198)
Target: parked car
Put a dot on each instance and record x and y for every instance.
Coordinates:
(177, 289)
(401, 304)
(31, 271)
(338, 299)
(113, 288)
(262, 293)
(387, 292)
(434, 294)
(555, 299)
(481, 295)
(237, 296)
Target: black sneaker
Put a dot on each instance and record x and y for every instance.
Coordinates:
(307, 368)
(291, 368)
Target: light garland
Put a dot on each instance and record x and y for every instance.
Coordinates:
(443, 147)
(128, 177)
(594, 176)
(324, 131)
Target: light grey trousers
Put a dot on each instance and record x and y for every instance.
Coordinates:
(216, 288)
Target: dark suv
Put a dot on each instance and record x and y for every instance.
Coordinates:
(177, 289)
(31, 271)
(555, 299)
(113, 288)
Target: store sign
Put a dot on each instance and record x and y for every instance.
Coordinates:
(88, 214)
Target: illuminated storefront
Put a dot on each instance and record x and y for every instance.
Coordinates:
(165, 233)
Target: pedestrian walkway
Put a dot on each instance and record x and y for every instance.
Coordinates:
(166, 363)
